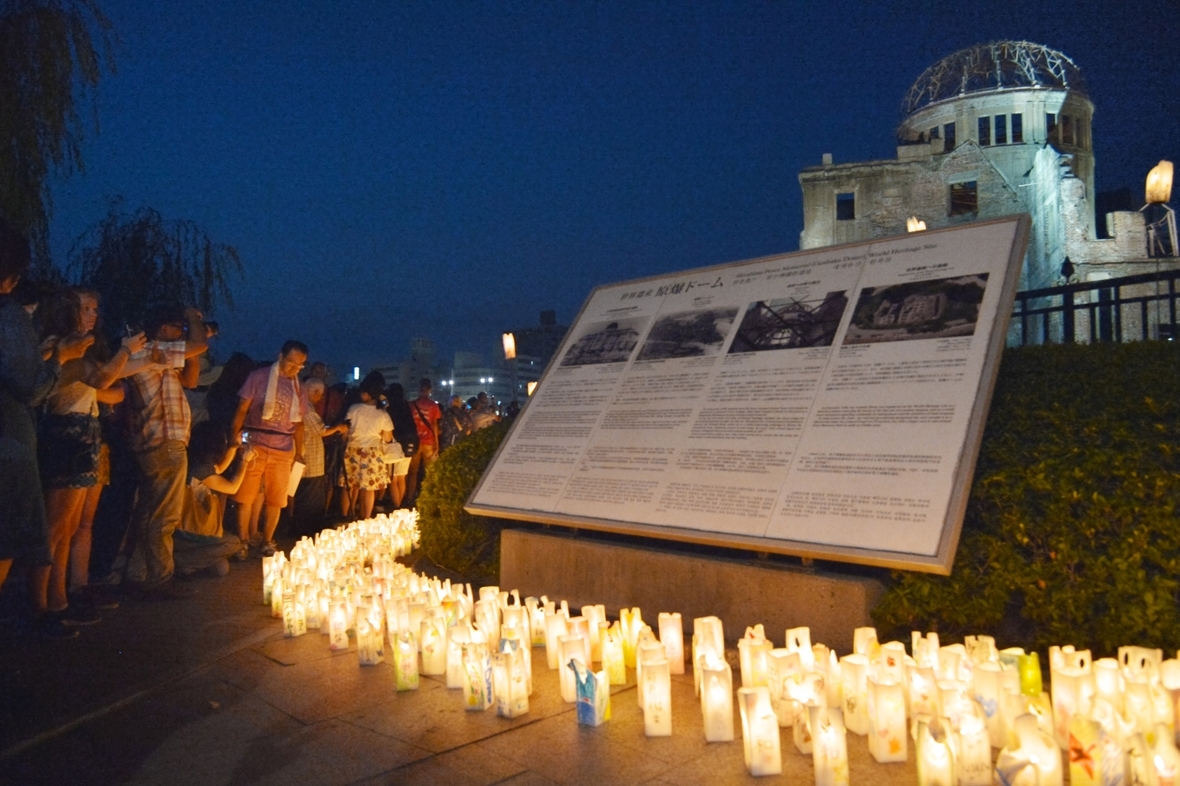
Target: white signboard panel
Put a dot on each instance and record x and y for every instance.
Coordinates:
(826, 403)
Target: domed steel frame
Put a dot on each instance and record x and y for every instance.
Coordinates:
(993, 66)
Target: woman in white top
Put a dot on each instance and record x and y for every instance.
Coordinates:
(70, 437)
(368, 429)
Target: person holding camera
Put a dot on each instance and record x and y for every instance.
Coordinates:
(160, 423)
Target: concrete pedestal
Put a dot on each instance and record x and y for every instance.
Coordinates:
(741, 593)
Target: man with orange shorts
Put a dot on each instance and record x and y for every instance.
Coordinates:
(270, 417)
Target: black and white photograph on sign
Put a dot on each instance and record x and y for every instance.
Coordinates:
(605, 342)
(938, 308)
(790, 323)
(688, 334)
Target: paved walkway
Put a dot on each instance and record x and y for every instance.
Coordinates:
(208, 691)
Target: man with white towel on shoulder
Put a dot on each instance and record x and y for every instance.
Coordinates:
(270, 419)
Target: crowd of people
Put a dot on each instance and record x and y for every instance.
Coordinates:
(120, 460)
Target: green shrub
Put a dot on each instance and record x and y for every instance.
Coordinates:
(452, 538)
(1071, 533)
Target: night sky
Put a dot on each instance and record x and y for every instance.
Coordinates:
(449, 169)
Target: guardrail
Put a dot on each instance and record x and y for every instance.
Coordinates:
(1131, 308)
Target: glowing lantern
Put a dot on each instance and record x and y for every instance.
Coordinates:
(1159, 184)
(370, 640)
(294, 616)
(571, 647)
(973, 760)
(456, 638)
(434, 645)
(477, 673)
(799, 640)
(887, 728)
(631, 622)
(405, 661)
(672, 637)
(752, 654)
(717, 700)
(829, 746)
(854, 673)
(760, 737)
(657, 697)
(509, 685)
(935, 755)
(613, 662)
(338, 626)
(593, 695)
(555, 628)
(1032, 759)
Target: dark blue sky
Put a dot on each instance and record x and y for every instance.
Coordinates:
(391, 170)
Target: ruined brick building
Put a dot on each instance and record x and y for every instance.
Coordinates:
(993, 130)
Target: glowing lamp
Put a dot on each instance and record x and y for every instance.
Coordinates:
(760, 737)
(717, 700)
(509, 346)
(829, 747)
(1159, 184)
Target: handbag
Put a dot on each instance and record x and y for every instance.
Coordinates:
(391, 452)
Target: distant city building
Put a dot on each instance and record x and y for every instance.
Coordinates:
(421, 363)
(989, 131)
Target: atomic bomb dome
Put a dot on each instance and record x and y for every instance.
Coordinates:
(988, 131)
(996, 66)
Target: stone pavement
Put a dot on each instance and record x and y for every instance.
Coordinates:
(208, 691)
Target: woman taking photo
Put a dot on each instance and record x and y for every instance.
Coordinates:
(69, 440)
(368, 429)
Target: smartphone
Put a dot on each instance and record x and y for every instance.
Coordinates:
(245, 437)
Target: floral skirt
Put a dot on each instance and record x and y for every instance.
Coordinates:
(68, 448)
(365, 468)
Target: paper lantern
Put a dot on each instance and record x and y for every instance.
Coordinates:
(593, 707)
(434, 645)
(889, 666)
(324, 601)
(783, 669)
(934, 752)
(832, 683)
(268, 578)
(487, 619)
(799, 640)
(477, 673)
(405, 661)
(647, 650)
(973, 758)
(988, 681)
(595, 619)
(854, 673)
(1030, 674)
(613, 662)
(954, 663)
(804, 693)
(294, 615)
(923, 696)
(370, 639)
(752, 655)
(338, 626)
(571, 647)
(276, 597)
(708, 640)
(456, 638)
(829, 746)
(717, 700)
(1073, 692)
(672, 637)
(1108, 681)
(555, 628)
(521, 639)
(657, 697)
(580, 626)
(760, 736)
(537, 611)
(864, 642)
(509, 683)
(981, 649)
(925, 649)
(887, 727)
(1032, 759)
(1165, 758)
(631, 622)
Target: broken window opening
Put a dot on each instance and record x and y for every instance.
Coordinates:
(948, 133)
(985, 130)
(934, 133)
(845, 207)
(1066, 130)
(1001, 129)
(964, 198)
(1050, 128)
(1017, 128)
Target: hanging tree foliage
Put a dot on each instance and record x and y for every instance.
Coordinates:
(51, 56)
(140, 261)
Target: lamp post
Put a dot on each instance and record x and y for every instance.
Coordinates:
(1159, 192)
(510, 354)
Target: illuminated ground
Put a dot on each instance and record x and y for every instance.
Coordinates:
(207, 691)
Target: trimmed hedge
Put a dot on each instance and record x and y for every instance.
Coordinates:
(1071, 533)
(452, 538)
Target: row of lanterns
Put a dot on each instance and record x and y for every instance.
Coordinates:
(1114, 719)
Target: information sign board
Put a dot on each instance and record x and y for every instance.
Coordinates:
(826, 403)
